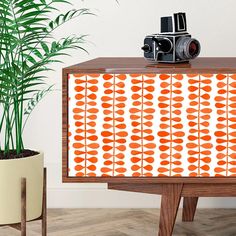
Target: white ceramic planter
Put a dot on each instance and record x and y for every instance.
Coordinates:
(11, 172)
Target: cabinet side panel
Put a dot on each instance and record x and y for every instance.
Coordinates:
(64, 125)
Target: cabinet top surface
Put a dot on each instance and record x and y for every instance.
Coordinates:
(140, 65)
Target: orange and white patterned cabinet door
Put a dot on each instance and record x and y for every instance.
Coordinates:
(150, 125)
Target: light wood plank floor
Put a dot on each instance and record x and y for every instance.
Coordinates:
(129, 222)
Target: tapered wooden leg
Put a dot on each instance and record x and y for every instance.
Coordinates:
(23, 207)
(171, 195)
(44, 208)
(189, 208)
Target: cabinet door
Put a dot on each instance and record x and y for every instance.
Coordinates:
(151, 125)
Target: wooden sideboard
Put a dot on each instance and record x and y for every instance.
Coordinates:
(152, 128)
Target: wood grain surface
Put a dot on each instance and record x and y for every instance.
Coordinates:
(189, 189)
(23, 206)
(129, 222)
(44, 208)
(189, 208)
(140, 65)
(171, 196)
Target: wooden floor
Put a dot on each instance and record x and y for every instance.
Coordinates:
(129, 222)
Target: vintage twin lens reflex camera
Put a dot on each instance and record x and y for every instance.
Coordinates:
(173, 44)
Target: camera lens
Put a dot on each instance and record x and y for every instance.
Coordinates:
(187, 48)
(193, 48)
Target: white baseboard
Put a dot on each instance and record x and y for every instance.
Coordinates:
(97, 196)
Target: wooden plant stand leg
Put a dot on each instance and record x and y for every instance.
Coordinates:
(171, 196)
(44, 208)
(22, 226)
(189, 208)
(23, 207)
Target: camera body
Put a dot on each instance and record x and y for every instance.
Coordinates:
(173, 44)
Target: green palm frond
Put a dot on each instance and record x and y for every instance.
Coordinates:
(63, 18)
(35, 99)
(28, 50)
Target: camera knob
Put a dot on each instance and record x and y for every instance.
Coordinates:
(146, 48)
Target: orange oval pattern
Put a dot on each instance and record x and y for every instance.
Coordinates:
(84, 138)
(149, 125)
(199, 117)
(141, 116)
(225, 103)
(171, 131)
(114, 128)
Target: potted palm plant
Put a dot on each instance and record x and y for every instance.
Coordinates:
(27, 50)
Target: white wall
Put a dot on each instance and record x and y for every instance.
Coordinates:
(119, 30)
